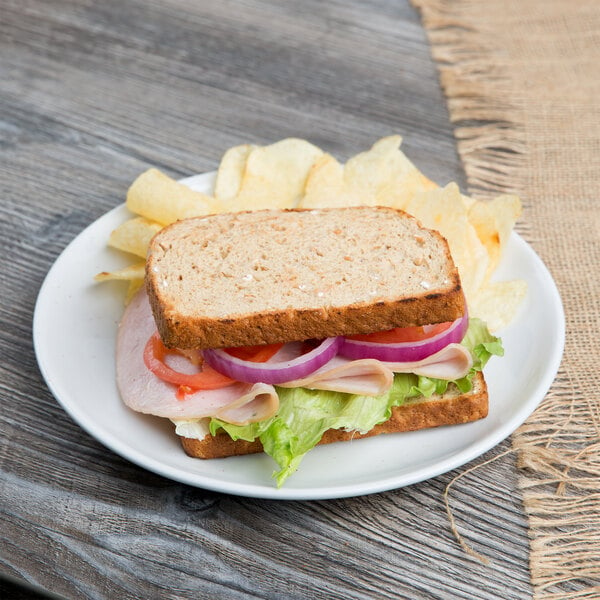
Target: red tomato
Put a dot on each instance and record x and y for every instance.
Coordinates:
(259, 354)
(403, 334)
(206, 379)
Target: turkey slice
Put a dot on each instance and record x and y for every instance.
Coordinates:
(452, 362)
(368, 377)
(239, 403)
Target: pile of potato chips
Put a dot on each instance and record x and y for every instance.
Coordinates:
(293, 173)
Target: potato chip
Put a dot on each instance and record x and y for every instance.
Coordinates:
(133, 274)
(386, 174)
(134, 235)
(381, 176)
(275, 175)
(369, 171)
(497, 303)
(134, 271)
(325, 186)
(132, 289)
(230, 172)
(426, 183)
(493, 221)
(159, 198)
(444, 210)
(467, 201)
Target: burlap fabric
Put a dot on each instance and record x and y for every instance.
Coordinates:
(522, 81)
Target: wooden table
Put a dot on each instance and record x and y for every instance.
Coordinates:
(92, 94)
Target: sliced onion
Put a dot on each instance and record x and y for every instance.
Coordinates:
(274, 371)
(405, 351)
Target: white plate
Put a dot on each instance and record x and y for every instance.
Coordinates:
(74, 330)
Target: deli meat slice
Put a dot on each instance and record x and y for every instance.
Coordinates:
(239, 403)
(368, 377)
(451, 362)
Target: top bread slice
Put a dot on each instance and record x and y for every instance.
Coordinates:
(238, 279)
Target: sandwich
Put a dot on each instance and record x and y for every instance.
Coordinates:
(278, 330)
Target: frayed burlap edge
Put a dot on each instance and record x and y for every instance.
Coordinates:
(558, 448)
(489, 140)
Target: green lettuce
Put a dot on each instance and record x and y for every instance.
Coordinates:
(304, 415)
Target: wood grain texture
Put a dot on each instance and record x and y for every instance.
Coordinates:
(92, 94)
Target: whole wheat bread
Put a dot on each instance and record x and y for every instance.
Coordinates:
(452, 408)
(281, 275)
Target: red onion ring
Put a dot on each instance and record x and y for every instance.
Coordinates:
(272, 372)
(406, 351)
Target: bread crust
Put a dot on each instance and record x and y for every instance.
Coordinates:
(452, 408)
(290, 324)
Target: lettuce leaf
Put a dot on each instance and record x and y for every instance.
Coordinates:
(304, 415)
(481, 343)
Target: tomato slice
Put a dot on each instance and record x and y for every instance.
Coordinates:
(155, 353)
(258, 354)
(403, 334)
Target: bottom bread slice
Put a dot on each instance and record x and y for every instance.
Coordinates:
(452, 408)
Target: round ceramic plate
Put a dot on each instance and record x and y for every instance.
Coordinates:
(80, 372)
